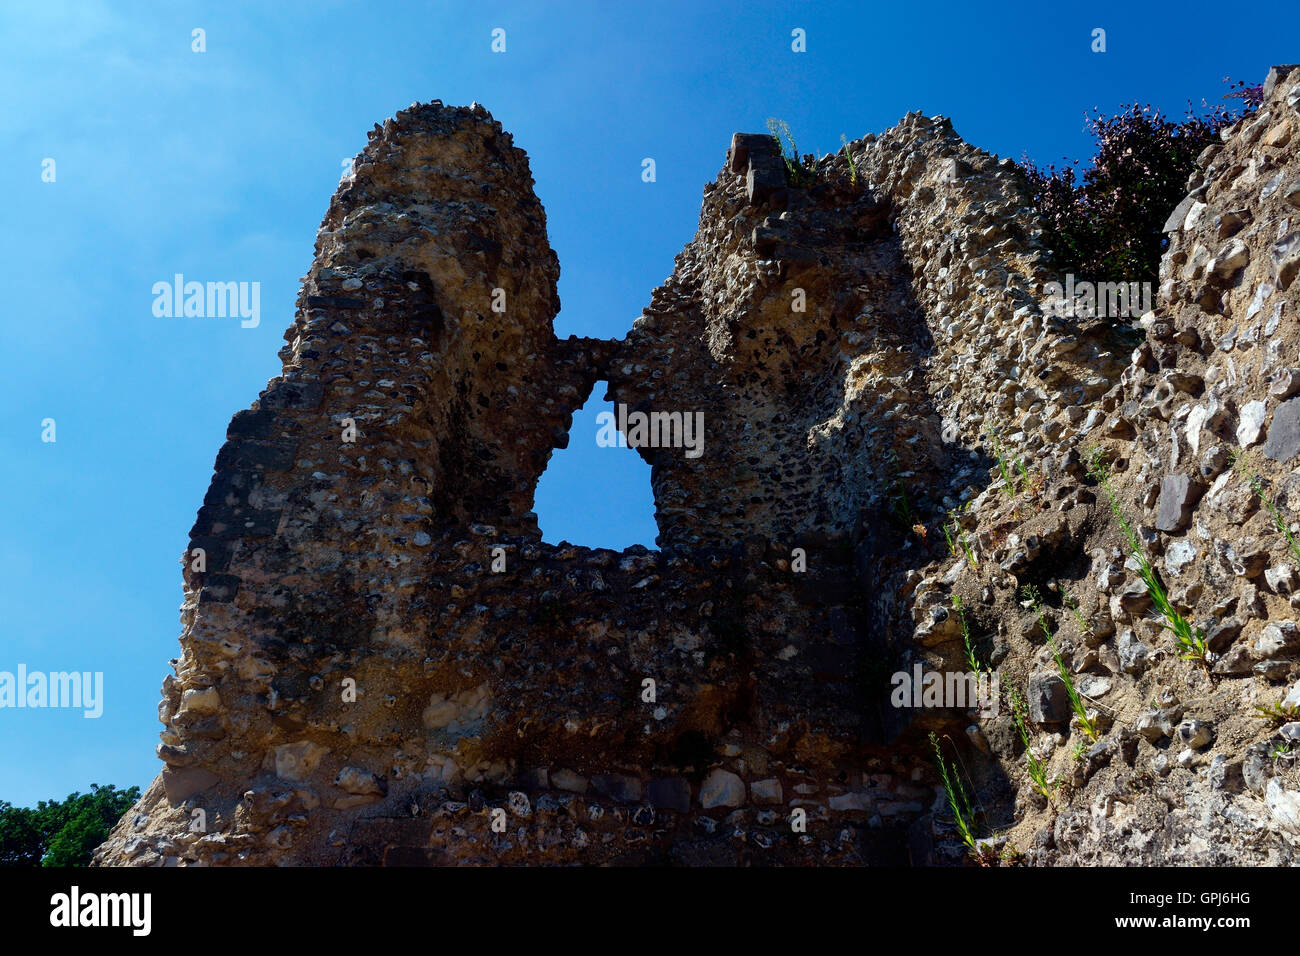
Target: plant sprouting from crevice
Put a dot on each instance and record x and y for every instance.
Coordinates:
(959, 799)
(1076, 699)
(1243, 466)
(1033, 764)
(796, 174)
(853, 169)
(1192, 642)
(972, 659)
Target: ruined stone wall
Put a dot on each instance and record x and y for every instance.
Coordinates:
(377, 649)
(972, 242)
(382, 663)
(1185, 769)
(1215, 376)
(867, 328)
(768, 306)
(315, 533)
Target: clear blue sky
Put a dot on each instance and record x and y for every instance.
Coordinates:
(219, 165)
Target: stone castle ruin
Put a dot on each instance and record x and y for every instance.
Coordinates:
(382, 663)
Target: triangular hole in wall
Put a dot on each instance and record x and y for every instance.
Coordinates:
(593, 496)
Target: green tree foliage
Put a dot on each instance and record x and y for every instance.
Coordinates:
(61, 832)
(1106, 225)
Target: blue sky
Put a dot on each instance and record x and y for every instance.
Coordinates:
(219, 165)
